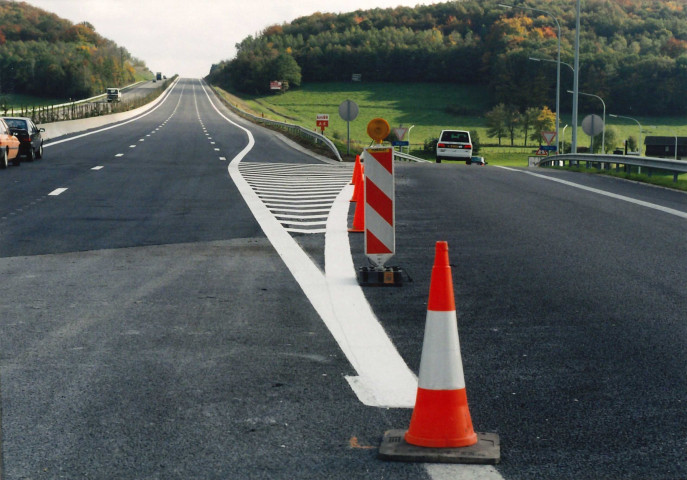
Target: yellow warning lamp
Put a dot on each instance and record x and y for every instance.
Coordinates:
(378, 129)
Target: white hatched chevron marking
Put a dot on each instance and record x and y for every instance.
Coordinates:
(299, 196)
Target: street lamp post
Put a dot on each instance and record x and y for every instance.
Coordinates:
(409, 129)
(639, 144)
(536, 59)
(558, 66)
(603, 130)
(563, 137)
(576, 75)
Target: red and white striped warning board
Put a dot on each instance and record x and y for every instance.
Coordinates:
(380, 212)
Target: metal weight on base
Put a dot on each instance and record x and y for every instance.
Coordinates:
(380, 276)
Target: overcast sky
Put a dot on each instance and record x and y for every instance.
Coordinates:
(187, 37)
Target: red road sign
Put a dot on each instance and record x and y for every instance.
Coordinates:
(322, 120)
(548, 137)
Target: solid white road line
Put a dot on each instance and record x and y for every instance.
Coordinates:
(345, 310)
(670, 211)
(164, 98)
(384, 380)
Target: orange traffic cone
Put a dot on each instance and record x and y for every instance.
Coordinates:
(358, 182)
(356, 170)
(441, 417)
(440, 427)
(359, 216)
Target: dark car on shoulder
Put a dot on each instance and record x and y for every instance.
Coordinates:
(29, 135)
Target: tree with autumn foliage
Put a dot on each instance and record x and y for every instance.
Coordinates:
(545, 122)
(44, 55)
(628, 48)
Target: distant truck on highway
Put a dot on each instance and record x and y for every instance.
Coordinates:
(159, 76)
(114, 95)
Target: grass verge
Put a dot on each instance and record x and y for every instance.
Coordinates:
(427, 107)
(659, 179)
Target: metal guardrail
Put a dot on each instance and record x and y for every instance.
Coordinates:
(409, 158)
(74, 110)
(88, 100)
(309, 133)
(297, 129)
(676, 167)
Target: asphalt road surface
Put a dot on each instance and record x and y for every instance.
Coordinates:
(151, 328)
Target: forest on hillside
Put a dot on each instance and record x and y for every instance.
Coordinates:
(633, 53)
(44, 55)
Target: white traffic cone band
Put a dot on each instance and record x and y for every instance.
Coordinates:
(441, 365)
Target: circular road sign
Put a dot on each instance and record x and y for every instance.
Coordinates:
(348, 110)
(592, 125)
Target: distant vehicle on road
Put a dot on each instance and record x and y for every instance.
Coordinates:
(9, 146)
(29, 135)
(454, 145)
(114, 95)
(476, 161)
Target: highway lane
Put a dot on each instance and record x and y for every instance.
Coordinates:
(149, 330)
(154, 332)
(571, 310)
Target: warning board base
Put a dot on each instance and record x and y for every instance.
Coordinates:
(380, 277)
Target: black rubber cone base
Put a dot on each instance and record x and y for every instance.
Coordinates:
(487, 450)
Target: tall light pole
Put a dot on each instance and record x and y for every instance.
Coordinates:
(639, 144)
(576, 75)
(603, 130)
(558, 61)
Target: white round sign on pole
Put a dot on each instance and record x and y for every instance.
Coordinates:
(348, 111)
(592, 125)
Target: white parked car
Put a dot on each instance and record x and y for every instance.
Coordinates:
(454, 145)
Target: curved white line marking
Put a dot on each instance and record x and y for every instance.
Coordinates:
(384, 379)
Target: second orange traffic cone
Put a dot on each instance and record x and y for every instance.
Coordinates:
(358, 183)
(359, 199)
(441, 417)
(356, 171)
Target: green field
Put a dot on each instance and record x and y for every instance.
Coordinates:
(429, 108)
(423, 105)
(17, 100)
